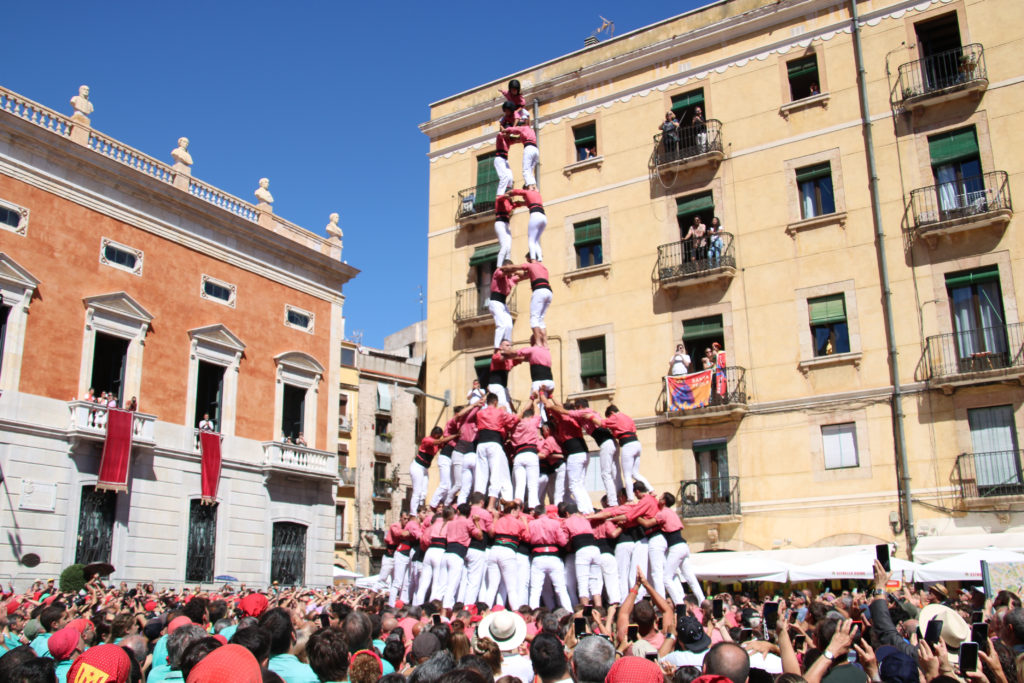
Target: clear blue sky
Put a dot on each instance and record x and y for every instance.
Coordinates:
(324, 98)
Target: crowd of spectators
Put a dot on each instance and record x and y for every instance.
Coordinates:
(116, 633)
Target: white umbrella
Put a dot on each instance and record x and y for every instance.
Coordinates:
(340, 573)
(739, 566)
(855, 566)
(966, 566)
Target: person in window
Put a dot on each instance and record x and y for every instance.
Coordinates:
(715, 243)
(695, 241)
(669, 133)
(700, 129)
(300, 440)
(679, 364)
(133, 405)
(206, 424)
(813, 88)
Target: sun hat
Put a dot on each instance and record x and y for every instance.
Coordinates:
(506, 628)
(954, 629)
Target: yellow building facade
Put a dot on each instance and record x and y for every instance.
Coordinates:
(799, 444)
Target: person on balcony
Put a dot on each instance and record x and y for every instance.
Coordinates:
(538, 219)
(715, 242)
(300, 440)
(669, 133)
(206, 424)
(700, 129)
(540, 299)
(429, 447)
(679, 364)
(502, 283)
(695, 241)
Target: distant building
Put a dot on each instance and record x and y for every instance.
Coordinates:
(124, 274)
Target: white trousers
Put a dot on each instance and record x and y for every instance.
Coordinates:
(630, 454)
(476, 565)
(657, 548)
(432, 574)
(501, 392)
(526, 473)
(523, 563)
(399, 577)
(588, 563)
(548, 567)
(419, 486)
(503, 567)
(469, 463)
(576, 472)
(531, 157)
(444, 469)
(387, 571)
(534, 229)
(502, 322)
(504, 174)
(539, 302)
(409, 589)
(453, 565)
(679, 561)
(609, 576)
(497, 463)
(610, 474)
(504, 233)
(552, 485)
(623, 557)
(456, 478)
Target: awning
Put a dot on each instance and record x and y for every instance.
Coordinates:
(967, 566)
(342, 573)
(791, 564)
(858, 566)
(368, 581)
(931, 548)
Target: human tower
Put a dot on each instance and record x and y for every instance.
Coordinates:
(486, 534)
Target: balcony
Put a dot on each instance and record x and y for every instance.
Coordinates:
(692, 147)
(291, 460)
(476, 203)
(382, 490)
(682, 264)
(980, 356)
(346, 476)
(722, 406)
(942, 77)
(89, 422)
(967, 204)
(471, 308)
(381, 444)
(710, 497)
(989, 478)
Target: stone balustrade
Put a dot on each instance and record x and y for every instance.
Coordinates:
(289, 459)
(89, 420)
(35, 113)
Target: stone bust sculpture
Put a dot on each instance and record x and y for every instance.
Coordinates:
(262, 193)
(81, 102)
(180, 153)
(333, 229)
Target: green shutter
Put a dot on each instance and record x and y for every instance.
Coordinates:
(708, 446)
(972, 277)
(592, 357)
(802, 67)
(486, 178)
(687, 100)
(700, 328)
(827, 309)
(813, 172)
(484, 254)
(585, 136)
(953, 145)
(694, 203)
(587, 233)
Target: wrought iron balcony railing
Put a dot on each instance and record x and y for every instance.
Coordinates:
(471, 304)
(688, 142)
(961, 199)
(952, 69)
(477, 200)
(687, 259)
(986, 475)
(710, 497)
(980, 351)
(730, 392)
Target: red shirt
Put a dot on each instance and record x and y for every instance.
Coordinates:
(486, 518)
(583, 417)
(566, 427)
(525, 133)
(527, 432)
(548, 447)
(495, 418)
(669, 520)
(578, 524)
(459, 530)
(535, 355)
(547, 531)
(510, 526)
(452, 427)
(429, 446)
(619, 423)
(433, 531)
(501, 144)
(603, 528)
(502, 283)
(532, 197)
(391, 537)
(647, 506)
(535, 270)
(502, 206)
(517, 100)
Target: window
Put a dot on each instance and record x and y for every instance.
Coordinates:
(711, 493)
(592, 478)
(13, 218)
(288, 554)
(587, 243)
(298, 318)
(209, 393)
(216, 290)
(202, 542)
(803, 77)
(995, 451)
(815, 185)
(956, 167)
(976, 304)
(830, 332)
(684, 106)
(585, 141)
(593, 372)
(95, 526)
(17, 286)
(383, 397)
(694, 206)
(109, 361)
(379, 521)
(339, 523)
(348, 356)
(5, 311)
(938, 44)
(839, 443)
(120, 256)
(293, 415)
(700, 334)
(484, 259)
(381, 487)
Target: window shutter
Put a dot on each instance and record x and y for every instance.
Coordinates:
(708, 446)
(694, 203)
(839, 443)
(701, 328)
(687, 100)
(953, 146)
(486, 178)
(587, 232)
(383, 397)
(802, 67)
(972, 277)
(585, 136)
(813, 172)
(592, 357)
(484, 254)
(827, 309)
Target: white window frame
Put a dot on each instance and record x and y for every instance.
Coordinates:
(833, 435)
(22, 227)
(118, 315)
(299, 370)
(17, 286)
(288, 308)
(137, 253)
(227, 285)
(215, 344)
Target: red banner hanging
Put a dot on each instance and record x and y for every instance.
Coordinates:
(209, 444)
(117, 451)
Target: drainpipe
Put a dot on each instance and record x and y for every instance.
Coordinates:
(899, 438)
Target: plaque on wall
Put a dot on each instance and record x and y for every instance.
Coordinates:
(37, 495)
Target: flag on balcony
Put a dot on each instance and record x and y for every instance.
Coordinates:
(209, 446)
(686, 392)
(117, 451)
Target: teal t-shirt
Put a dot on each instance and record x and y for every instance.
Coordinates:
(292, 670)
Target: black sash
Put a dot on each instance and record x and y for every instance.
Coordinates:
(539, 373)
